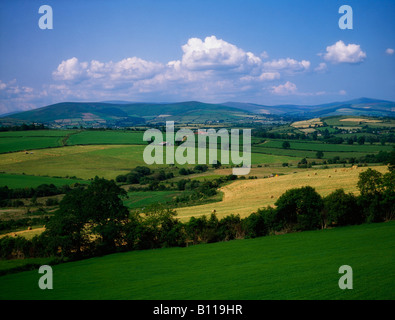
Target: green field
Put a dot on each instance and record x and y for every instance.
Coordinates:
(309, 149)
(14, 181)
(86, 162)
(107, 137)
(319, 146)
(11, 141)
(28, 143)
(299, 154)
(300, 265)
(141, 199)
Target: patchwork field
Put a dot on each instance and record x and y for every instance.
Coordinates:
(246, 196)
(300, 265)
(86, 162)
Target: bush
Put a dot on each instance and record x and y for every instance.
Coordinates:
(201, 168)
(259, 223)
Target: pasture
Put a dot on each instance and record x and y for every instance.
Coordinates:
(87, 161)
(142, 199)
(301, 265)
(246, 196)
(15, 181)
(107, 137)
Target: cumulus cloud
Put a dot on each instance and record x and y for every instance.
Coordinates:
(288, 65)
(284, 89)
(389, 51)
(127, 69)
(209, 66)
(70, 69)
(209, 69)
(217, 54)
(341, 53)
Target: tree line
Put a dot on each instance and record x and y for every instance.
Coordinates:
(44, 190)
(93, 220)
(23, 127)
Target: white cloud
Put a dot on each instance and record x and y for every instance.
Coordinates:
(70, 69)
(127, 69)
(15, 97)
(284, 89)
(322, 67)
(209, 69)
(341, 53)
(342, 92)
(287, 65)
(217, 54)
(390, 51)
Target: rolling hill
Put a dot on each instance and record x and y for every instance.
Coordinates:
(124, 114)
(356, 107)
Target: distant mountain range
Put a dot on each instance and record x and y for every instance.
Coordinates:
(124, 113)
(361, 106)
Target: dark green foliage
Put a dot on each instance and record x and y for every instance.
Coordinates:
(361, 140)
(259, 223)
(377, 195)
(299, 209)
(99, 206)
(43, 190)
(286, 145)
(97, 210)
(342, 209)
(135, 176)
(216, 164)
(201, 168)
(185, 172)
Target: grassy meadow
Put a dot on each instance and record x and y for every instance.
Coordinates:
(87, 161)
(300, 265)
(142, 199)
(16, 181)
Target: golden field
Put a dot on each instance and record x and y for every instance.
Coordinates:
(246, 196)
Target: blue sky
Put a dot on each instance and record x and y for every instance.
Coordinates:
(259, 51)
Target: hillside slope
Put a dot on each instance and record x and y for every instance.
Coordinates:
(302, 265)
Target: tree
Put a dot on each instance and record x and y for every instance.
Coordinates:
(388, 195)
(216, 164)
(377, 195)
(96, 210)
(361, 140)
(66, 227)
(319, 154)
(391, 164)
(104, 208)
(286, 145)
(299, 209)
(342, 209)
(259, 223)
(369, 182)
